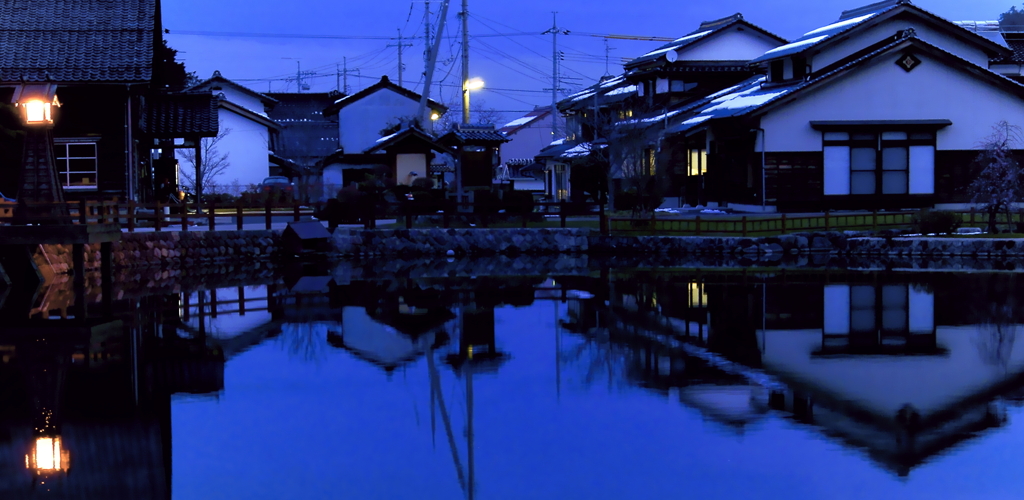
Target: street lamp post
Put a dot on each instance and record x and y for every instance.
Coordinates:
(467, 86)
(38, 181)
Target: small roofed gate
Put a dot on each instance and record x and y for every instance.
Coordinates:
(476, 153)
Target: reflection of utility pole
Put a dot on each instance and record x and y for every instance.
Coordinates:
(469, 432)
(401, 48)
(435, 384)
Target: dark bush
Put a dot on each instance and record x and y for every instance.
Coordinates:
(518, 202)
(626, 201)
(937, 222)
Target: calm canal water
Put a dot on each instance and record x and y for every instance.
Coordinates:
(728, 383)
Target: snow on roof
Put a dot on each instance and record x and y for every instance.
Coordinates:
(678, 43)
(584, 95)
(559, 142)
(817, 35)
(388, 137)
(663, 116)
(613, 81)
(631, 89)
(581, 150)
(744, 101)
(520, 121)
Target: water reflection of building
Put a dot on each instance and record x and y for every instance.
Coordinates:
(85, 401)
(902, 366)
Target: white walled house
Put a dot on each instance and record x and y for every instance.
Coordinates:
(361, 118)
(242, 115)
(885, 108)
(527, 135)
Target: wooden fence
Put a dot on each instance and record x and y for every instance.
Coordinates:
(174, 217)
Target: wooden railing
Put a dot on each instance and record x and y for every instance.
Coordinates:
(181, 216)
(159, 216)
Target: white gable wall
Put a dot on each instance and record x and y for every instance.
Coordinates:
(887, 30)
(735, 44)
(884, 91)
(242, 99)
(360, 123)
(247, 148)
(528, 141)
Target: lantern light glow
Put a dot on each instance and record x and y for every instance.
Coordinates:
(47, 456)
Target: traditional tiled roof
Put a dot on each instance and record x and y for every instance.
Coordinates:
(384, 83)
(609, 90)
(753, 97)
(525, 121)
(217, 82)
(706, 29)
(384, 143)
(869, 15)
(306, 134)
(181, 115)
(70, 41)
(1017, 46)
(472, 133)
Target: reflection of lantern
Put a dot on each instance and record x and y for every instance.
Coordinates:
(37, 102)
(48, 456)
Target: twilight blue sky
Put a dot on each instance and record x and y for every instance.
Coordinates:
(517, 69)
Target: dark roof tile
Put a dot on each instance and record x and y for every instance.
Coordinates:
(67, 41)
(181, 114)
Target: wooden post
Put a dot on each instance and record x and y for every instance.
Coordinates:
(131, 216)
(158, 216)
(444, 214)
(874, 220)
(211, 211)
(744, 225)
(603, 220)
(407, 210)
(971, 219)
(783, 228)
(826, 221)
(78, 264)
(698, 225)
(184, 216)
(297, 213)
(561, 212)
(239, 215)
(83, 212)
(107, 275)
(267, 214)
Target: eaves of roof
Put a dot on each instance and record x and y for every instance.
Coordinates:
(384, 83)
(209, 84)
(818, 38)
(911, 41)
(409, 133)
(712, 28)
(248, 113)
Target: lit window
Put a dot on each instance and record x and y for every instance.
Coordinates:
(697, 162)
(77, 163)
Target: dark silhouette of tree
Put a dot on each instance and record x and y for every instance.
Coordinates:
(999, 183)
(1012, 20)
(213, 164)
(171, 74)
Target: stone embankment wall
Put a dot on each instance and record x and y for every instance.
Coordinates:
(174, 249)
(511, 242)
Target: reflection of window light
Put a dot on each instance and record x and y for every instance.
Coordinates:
(698, 298)
(47, 456)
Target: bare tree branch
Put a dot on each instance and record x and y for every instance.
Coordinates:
(213, 164)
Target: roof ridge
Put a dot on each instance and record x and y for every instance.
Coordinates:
(719, 23)
(874, 7)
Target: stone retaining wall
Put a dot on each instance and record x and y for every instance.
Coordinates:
(511, 242)
(174, 249)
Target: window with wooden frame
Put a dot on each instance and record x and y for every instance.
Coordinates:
(77, 162)
(873, 163)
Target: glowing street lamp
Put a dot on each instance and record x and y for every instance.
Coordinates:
(36, 102)
(467, 86)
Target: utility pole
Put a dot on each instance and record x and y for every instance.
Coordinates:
(426, 34)
(554, 72)
(607, 56)
(465, 62)
(401, 47)
(424, 113)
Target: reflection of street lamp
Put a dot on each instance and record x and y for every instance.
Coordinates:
(467, 86)
(39, 181)
(48, 456)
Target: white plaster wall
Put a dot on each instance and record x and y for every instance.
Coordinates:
(884, 91)
(242, 99)
(406, 163)
(332, 180)
(888, 29)
(246, 146)
(730, 45)
(529, 141)
(360, 123)
(883, 384)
